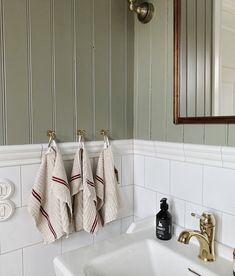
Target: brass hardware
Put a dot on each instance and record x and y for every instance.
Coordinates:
(81, 132)
(144, 10)
(104, 132)
(51, 134)
(205, 237)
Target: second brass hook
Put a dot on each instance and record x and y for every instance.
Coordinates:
(104, 132)
(81, 132)
(51, 133)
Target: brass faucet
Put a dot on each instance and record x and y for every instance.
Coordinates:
(206, 236)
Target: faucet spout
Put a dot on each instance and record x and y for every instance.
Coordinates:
(205, 238)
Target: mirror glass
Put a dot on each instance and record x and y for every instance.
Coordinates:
(205, 57)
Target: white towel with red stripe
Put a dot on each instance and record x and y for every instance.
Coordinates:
(50, 201)
(84, 193)
(107, 189)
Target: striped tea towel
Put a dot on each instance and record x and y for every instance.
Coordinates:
(84, 193)
(107, 187)
(50, 201)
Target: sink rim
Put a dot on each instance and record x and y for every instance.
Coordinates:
(144, 230)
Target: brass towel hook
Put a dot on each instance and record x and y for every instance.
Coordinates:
(81, 132)
(104, 132)
(51, 134)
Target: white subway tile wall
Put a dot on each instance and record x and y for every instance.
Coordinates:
(127, 170)
(144, 202)
(11, 264)
(157, 174)
(194, 184)
(219, 189)
(28, 173)
(189, 187)
(228, 226)
(37, 259)
(21, 244)
(139, 169)
(186, 181)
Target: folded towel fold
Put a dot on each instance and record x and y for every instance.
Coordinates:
(84, 193)
(107, 189)
(50, 201)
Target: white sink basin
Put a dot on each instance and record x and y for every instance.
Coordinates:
(141, 254)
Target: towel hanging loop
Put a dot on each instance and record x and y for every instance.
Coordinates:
(105, 133)
(81, 133)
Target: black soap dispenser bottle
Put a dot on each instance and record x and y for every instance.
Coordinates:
(164, 222)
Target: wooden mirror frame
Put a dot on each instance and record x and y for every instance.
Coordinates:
(176, 84)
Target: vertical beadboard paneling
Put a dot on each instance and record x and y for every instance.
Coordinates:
(159, 73)
(41, 68)
(16, 71)
(198, 134)
(129, 74)
(118, 69)
(143, 82)
(208, 61)
(2, 87)
(102, 65)
(66, 64)
(216, 134)
(194, 134)
(231, 135)
(191, 57)
(183, 59)
(200, 57)
(173, 132)
(63, 27)
(84, 65)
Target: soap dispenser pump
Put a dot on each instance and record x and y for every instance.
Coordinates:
(164, 222)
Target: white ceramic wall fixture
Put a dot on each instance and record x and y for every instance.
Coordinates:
(7, 207)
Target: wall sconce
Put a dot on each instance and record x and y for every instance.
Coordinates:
(144, 10)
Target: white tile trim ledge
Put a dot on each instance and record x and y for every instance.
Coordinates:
(217, 156)
(201, 154)
(31, 154)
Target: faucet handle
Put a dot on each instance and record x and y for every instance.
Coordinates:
(206, 219)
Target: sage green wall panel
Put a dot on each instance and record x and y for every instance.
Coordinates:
(84, 66)
(173, 133)
(63, 27)
(130, 74)
(16, 71)
(231, 135)
(216, 134)
(194, 134)
(137, 37)
(41, 73)
(200, 73)
(143, 82)
(2, 82)
(102, 31)
(183, 59)
(208, 62)
(197, 134)
(118, 69)
(159, 73)
(66, 64)
(191, 58)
